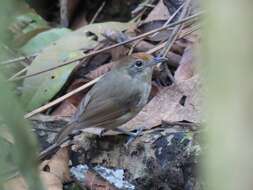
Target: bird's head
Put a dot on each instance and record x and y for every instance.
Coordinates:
(139, 65)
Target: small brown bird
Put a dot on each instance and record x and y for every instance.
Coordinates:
(117, 97)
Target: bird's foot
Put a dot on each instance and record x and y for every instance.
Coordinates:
(102, 132)
(132, 136)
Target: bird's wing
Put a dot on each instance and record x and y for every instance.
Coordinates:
(103, 112)
(103, 105)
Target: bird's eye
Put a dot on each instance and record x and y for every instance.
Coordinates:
(139, 63)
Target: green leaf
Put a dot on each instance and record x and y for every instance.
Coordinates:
(26, 26)
(42, 40)
(38, 90)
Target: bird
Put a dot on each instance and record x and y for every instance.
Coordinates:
(116, 98)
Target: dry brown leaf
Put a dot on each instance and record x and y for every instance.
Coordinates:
(187, 65)
(156, 18)
(51, 181)
(100, 71)
(160, 12)
(58, 165)
(66, 109)
(165, 106)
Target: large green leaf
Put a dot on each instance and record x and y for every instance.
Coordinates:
(41, 88)
(42, 40)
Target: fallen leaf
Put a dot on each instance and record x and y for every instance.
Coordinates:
(148, 26)
(187, 65)
(51, 181)
(65, 109)
(173, 5)
(94, 62)
(58, 165)
(160, 12)
(100, 71)
(42, 40)
(156, 18)
(166, 106)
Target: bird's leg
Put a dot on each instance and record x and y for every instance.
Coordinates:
(132, 136)
(102, 132)
(126, 132)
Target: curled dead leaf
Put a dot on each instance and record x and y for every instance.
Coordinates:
(51, 181)
(58, 165)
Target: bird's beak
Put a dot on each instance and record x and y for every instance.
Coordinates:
(156, 60)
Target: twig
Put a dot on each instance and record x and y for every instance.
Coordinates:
(140, 10)
(191, 30)
(98, 12)
(182, 35)
(60, 99)
(114, 46)
(172, 39)
(23, 58)
(18, 73)
(165, 24)
(176, 30)
(171, 18)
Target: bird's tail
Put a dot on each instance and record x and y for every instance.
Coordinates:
(63, 135)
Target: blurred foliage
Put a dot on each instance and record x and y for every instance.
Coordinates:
(23, 151)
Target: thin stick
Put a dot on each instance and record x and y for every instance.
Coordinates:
(175, 31)
(170, 19)
(113, 46)
(165, 24)
(191, 30)
(172, 39)
(160, 46)
(98, 12)
(60, 99)
(18, 73)
(23, 58)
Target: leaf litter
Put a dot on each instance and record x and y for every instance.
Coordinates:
(178, 102)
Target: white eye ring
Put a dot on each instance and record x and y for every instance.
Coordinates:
(139, 63)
